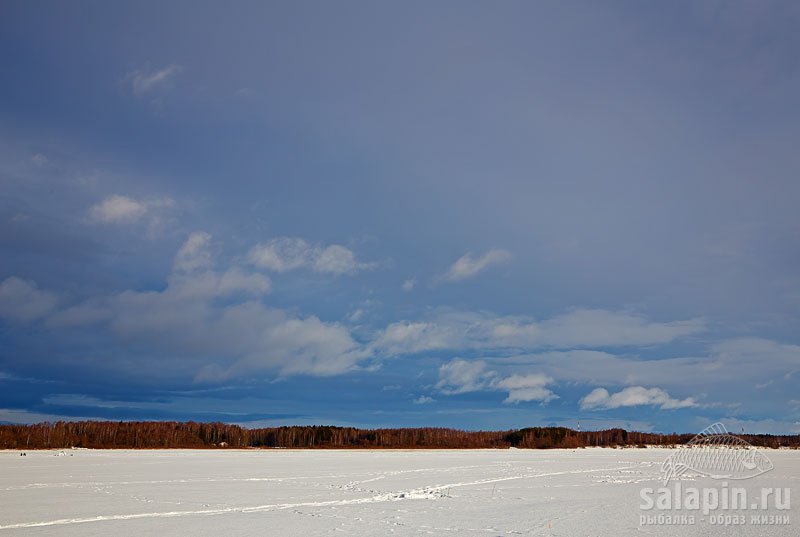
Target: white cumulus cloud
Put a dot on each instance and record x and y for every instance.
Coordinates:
(125, 209)
(524, 388)
(283, 254)
(146, 80)
(600, 398)
(469, 265)
(117, 209)
(194, 254)
(463, 376)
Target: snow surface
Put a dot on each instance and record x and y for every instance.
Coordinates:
(377, 492)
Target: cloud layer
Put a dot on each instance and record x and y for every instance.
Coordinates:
(578, 328)
(290, 253)
(21, 300)
(213, 320)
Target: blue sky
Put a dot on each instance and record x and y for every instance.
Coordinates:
(411, 214)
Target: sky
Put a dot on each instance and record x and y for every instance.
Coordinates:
(459, 214)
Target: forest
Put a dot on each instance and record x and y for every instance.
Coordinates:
(167, 435)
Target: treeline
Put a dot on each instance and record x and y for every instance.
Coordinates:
(161, 435)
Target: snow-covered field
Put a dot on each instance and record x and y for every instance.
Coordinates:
(308, 493)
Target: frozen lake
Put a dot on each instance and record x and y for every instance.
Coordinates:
(286, 492)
